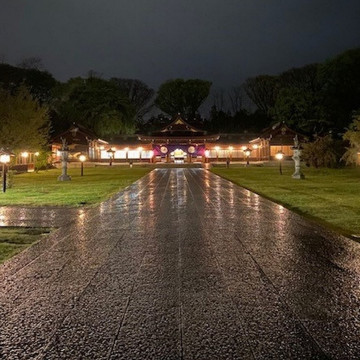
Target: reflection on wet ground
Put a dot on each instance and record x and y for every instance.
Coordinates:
(181, 265)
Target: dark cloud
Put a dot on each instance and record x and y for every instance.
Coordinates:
(224, 41)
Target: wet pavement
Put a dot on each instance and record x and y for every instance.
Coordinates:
(180, 265)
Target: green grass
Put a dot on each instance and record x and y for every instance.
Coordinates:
(43, 188)
(16, 239)
(329, 196)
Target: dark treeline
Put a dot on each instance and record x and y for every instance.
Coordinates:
(314, 99)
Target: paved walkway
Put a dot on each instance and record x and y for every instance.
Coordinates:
(181, 265)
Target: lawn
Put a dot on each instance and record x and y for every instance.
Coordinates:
(15, 239)
(329, 196)
(97, 184)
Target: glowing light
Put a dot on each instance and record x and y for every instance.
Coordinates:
(279, 155)
(151, 153)
(102, 147)
(82, 158)
(243, 148)
(231, 148)
(247, 152)
(207, 153)
(217, 148)
(25, 154)
(37, 153)
(126, 149)
(4, 158)
(255, 146)
(139, 149)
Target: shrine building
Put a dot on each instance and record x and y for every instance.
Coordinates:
(178, 142)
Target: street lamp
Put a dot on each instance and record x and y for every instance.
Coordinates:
(111, 154)
(82, 158)
(279, 156)
(247, 152)
(4, 159)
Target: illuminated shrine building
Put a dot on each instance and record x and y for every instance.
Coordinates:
(180, 142)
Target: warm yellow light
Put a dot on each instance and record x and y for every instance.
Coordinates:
(279, 155)
(102, 147)
(243, 148)
(247, 152)
(255, 146)
(25, 154)
(207, 153)
(231, 148)
(37, 153)
(126, 149)
(151, 153)
(82, 158)
(139, 149)
(4, 158)
(217, 148)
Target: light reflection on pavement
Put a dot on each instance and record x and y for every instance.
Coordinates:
(180, 265)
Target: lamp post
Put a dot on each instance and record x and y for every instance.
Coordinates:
(247, 152)
(111, 153)
(82, 158)
(279, 156)
(4, 159)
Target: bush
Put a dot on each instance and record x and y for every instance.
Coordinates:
(42, 161)
(323, 152)
(353, 138)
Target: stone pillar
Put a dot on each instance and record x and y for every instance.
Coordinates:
(64, 155)
(297, 157)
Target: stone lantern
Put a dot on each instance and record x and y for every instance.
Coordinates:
(297, 149)
(64, 154)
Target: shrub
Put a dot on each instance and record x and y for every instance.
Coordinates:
(352, 135)
(323, 152)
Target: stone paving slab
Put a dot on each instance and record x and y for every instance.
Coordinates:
(180, 265)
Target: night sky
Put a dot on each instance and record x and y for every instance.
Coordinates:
(224, 41)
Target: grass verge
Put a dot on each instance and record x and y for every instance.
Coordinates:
(16, 239)
(97, 184)
(329, 196)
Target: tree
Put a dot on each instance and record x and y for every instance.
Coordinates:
(219, 99)
(262, 91)
(97, 104)
(305, 78)
(33, 62)
(24, 122)
(324, 151)
(299, 109)
(352, 135)
(39, 83)
(139, 94)
(236, 97)
(340, 92)
(182, 96)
